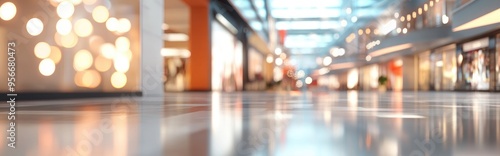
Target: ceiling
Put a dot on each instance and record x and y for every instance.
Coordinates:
(315, 26)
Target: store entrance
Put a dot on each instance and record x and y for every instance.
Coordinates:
(475, 65)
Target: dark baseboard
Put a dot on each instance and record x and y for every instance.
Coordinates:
(61, 96)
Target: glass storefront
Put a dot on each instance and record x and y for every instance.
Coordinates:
(497, 69)
(474, 63)
(227, 60)
(424, 70)
(443, 68)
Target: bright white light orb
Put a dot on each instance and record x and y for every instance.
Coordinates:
(108, 50)
(63, 26)
(124, 25)
(34, 26)
(121, 63)
(65, 9)
(112, 24)
(47, 67)
(42, 50)
(7, 11)
(122, 44)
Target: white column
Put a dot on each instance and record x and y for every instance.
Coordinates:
(151, 17)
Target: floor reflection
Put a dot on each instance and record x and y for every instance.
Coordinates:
(251, 123)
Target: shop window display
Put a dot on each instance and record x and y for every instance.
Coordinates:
(227, 60)
(475, 67)
(498, 61)
(424, 71)
(444, 68)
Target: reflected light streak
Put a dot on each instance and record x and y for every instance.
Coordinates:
(120, 133)
(46, 137)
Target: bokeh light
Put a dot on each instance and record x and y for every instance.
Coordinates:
(54, 3)
(47, 67)
(108, 50)
(91, 79)
(118, 80)
(55, 54)
(89, 2)
(8, 11)
(102, 64)
(69, 41)
(63, 26)
(124, 25)
(112, 24)
(96, 42)
(83, 27)
(129, 55)
(42, 50)
(34, 26)
(122, 44)
(79, 79)
(121, 63)
(100, 14)
(83, 60)
(65, 9)
(57, 39)
(75, 2)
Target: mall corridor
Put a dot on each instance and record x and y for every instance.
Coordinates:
(250, 77)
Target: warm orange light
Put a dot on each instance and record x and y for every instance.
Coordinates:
(122, 44)
(69, 41)
(108, 50)
(91, 79)
(350, 38)
(83, 27)
(100, 14)
(96, 42)
(55, 54)
(124, 25)
(118, 80)
(83, 60)
(42, 50)
(89, 2)
(102, 64)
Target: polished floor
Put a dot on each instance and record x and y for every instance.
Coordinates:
(261, 124)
